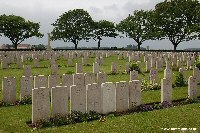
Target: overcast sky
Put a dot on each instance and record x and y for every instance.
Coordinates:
(47, 11)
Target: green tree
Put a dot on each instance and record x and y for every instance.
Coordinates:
(178, 20)
(103, 28)
(17, 29)
(73, 26)
(139, 26)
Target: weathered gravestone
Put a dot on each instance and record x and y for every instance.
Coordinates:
(166, 90)
(153, 77)
(19, 63)
(192, 88)
(9, 90)
(94, 101)
(26, 86)
(101, 78)
(148, 66)
(182, 70)
(79, 79)
(127, 67)
(40, 81)
(4, 63)
(134, 93)
(36, 62)
(40, 104)
(54, 69)
(67, 80)
(59, 100)
(96, 68)
(78, 98)
(122, 96)
(108, 90)
(114, 67)
(79, 68)
(196, 73)
(90, 78)
(53, 81)
(27, 70)
(133, 75)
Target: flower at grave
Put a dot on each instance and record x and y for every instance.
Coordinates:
(152, 72)
(166, 104)
(102, 119)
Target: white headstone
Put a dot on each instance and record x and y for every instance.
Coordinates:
(59, 100)
(90, 78)
(9, 90)
(192, 88)
(78, 98)
(166, 90)
(40, 104)
(26, 86)
(94, 94)
(40, 81)
(122, 96)
(134, 93)
(108, 90)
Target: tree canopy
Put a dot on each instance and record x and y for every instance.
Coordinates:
(17, 29)
(178, 20)
(103, 28)
(138, 26)
(73, 26)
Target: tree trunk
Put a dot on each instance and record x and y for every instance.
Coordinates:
(15, 46)
(139, 44)
(175, 46)
(99, 43)
(76, 45)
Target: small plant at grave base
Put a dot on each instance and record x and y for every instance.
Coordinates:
(134, 66)
(145, 107)
(26, 100)
(179, 80)
(166, 104)
(70, 72)
(192, 100)
(59, 120)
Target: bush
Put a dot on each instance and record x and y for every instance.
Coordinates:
(198, 64)
(134, 66)
(146, 86)
(179, 81)
(26, 100)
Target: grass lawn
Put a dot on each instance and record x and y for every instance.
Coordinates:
(14, 118)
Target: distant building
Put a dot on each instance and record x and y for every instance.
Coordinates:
(3, 46)
(23, 46)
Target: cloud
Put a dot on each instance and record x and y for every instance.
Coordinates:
(47, 11)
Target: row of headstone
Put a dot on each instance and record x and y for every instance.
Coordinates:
(27, 83)
(102, 98)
